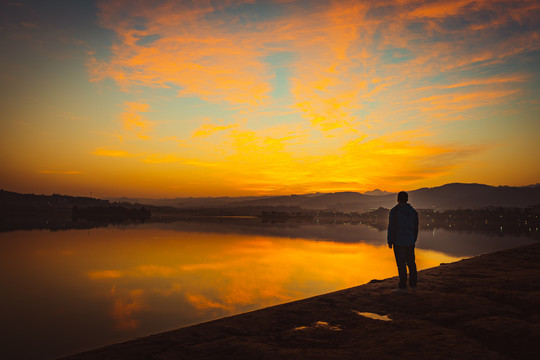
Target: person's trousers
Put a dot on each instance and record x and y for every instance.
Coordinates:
(405, 259)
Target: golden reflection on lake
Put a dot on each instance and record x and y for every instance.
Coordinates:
(122, 283)
(214, 273)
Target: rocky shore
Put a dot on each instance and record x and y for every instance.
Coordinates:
(484, 307)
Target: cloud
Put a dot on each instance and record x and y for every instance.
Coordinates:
(207, 129)
(145, 157)
(464, 101)
(113, 153)
(155, 271)
(200, 302)
(207, 59)
(361, 77)
(519, 78)
(126, 305)
(162, 159)
(104, 274)
(441, 9)
(338, 49)
(134, 121)
(57, 172)
(269, 164)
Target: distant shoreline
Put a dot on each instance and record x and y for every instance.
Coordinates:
(463, 207)
(485, 307)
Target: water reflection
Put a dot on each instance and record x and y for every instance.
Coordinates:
(319, 325)
(456, 243)
(72, 290)
(373, 316)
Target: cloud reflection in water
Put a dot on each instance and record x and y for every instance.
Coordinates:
(213, 275)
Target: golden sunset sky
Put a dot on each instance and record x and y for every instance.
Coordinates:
(208, 98)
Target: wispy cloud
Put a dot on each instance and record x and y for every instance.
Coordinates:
(112, 153)
(133, 120)
(60, 172)
(104, 274)
(494, 80)
(360, 75)
(203, 57)
(207, 129)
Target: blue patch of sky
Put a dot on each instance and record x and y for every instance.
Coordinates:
(397, 55)
(531, 61)
(416, 28)
(378, 36)
(520, 64)
(280, 62)
(181, 116)
(513, 28)
(277, 116)
(380, 12)
(457, 23)
(281, 85)
(147, 40)
(75, 18)
(248, 13)
(58, 21)
(262, 10)
(362, 115)
(139, 23)
(438, 79)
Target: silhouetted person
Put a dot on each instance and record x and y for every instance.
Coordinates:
(402, 235)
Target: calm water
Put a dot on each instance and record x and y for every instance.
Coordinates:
(68, 291)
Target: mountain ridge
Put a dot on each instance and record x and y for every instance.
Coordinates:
(444, 197)
(447, 196)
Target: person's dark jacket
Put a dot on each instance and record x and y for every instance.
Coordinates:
(403, 225)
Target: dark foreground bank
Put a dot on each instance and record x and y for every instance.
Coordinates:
(480, 308)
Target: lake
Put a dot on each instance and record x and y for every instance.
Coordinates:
(73, 290)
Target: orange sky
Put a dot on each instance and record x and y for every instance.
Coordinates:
(182, 98)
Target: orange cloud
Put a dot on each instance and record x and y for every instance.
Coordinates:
(60, 172)
(112, 153)
(200, 302)
(133, 121)
(208, 59)
(490, 81)
(126, 305)
(148, 158)
(104, 274)
(464, 101)
(269, 164)
(162, 159)
(220, 60)
(208, 129)
(155, 271)
(361, 75)
(441, 9)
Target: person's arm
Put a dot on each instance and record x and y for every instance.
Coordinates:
(391, 229)
(416, 227)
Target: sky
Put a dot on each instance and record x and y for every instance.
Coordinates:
(170, 98)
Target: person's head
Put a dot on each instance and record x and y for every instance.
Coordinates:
(402, 197)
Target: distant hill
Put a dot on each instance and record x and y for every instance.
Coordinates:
(449, 196)
(55, 212)
(377, 192)
(186, 203)
(341, 201)
(12, 200)
(474, 196)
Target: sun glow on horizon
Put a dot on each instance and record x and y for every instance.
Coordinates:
(176, 98)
